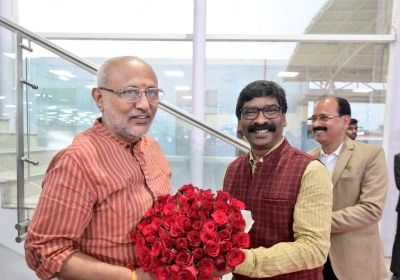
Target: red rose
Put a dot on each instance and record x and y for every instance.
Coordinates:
(162, 233)
(168, 255)
(210, 225)
(225, 246)
(156, 248)
(223, 196)
(207, 236)
(181, 199)
(151, 238)
(203, 216)
(186, 188)
(163, 272)
(144, 258)
(193, 212)
(169, 209)
(225, 234)
(220, 263)
(206, 266)
(147, 229)
(181, 244)
(211, 249)
(242, 240)
(185, 222)
(220, 217)
(168, 222)
(174, 269)
(192, 196)
(237, 204)
(176, 231)
(184, 259)
(167, 242)
(155, 223)
(206, 204)
(235, 257)
(207, 194)
(162, 199)
(222, 205)
(193, 238)
(184, 210)
(229, 211)
(198, 254)
(187, 273)
(238, 223)
(197, 225)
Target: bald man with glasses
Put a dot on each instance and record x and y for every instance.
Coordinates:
(98, 189)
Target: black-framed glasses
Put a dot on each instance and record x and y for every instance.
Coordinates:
(322, 118)
(269, 111)
(133, 94)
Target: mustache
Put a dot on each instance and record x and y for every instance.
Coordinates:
(265, 126)
(320, 128)
(147, 113)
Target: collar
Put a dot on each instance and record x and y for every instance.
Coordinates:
(336, 152)
(253, 161)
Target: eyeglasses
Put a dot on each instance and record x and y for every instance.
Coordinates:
(322, 118)
(133, 94)
(269, 111)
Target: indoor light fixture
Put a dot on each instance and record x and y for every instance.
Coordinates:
(186, 97)
(174, 73)
(182, 87)
(63, 78)
(64, 73)
(363, 90)
(288, 74)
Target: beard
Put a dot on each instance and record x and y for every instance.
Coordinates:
(118, 123)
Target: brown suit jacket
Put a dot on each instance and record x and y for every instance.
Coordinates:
(360, 183)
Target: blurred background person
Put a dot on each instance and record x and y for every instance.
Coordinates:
(352, 129)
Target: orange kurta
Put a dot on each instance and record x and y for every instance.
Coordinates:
(94, 194)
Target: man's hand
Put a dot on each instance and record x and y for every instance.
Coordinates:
(219, 274)
(141, 275)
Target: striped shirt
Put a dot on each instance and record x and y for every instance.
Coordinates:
(94, 194)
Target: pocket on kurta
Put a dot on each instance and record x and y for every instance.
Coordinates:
(274, 217)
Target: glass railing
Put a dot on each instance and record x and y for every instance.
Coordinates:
(62, 106)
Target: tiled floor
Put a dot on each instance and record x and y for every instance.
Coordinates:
(13, 266)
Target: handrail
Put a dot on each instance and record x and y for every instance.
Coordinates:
(177, 112)
(49, 45)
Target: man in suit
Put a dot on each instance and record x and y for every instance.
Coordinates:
(359, 176)
(395, 264)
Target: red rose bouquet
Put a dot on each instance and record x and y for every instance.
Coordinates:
(190, 234)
